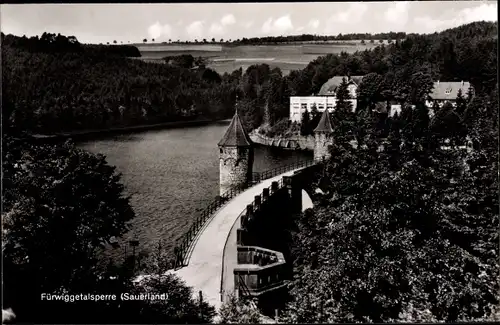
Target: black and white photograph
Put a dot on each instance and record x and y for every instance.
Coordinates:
(250, 162)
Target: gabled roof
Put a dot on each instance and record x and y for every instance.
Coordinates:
(235, 136)
(444, 90)
(330, 87)
(324, 125)
(357, 79)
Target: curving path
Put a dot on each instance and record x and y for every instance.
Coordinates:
(204, 270)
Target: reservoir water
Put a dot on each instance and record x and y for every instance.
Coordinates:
(173, 174)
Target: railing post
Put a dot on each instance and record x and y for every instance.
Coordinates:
(248, 215)
(265, 194)
(257, 202)
(274, 186)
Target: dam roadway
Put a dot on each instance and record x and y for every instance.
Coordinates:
(205, 265)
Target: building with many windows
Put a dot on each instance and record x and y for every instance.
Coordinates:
(325, 97)
(442, 92)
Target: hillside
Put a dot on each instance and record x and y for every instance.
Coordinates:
(468, 52)
(54, 84)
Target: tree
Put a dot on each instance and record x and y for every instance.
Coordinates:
(222, 40)
(114, 42)
(178, 307)
(394, 251)
(237, 311)
(461, 103)
(213, 39)
(470, 94)
(152, 40)
(343, 118)
(145, 40)
(76, 201)
(480, 126)
(305, 124)
(343, 97)
(421, 123)
(446, 124)
(372, 41)
(371, 89)
(421, 85)
(448, 64)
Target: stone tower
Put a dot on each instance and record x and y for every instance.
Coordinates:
(323, 137)
(235, 156)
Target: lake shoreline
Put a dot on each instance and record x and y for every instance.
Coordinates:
(103, 133)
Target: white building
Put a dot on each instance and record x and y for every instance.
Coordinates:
(324, 99)
(298, 105)
(442, 92)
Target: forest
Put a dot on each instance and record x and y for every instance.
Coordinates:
(408, 233)
(406, 226)
(392, 36)
(55, 91)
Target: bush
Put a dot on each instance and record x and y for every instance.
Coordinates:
(237, 311)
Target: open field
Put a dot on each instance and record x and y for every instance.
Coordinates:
(227, 58)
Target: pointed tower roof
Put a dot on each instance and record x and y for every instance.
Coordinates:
(235, 136)
(324, 125)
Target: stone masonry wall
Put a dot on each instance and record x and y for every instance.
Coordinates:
(295, 142)
(235, 167)
(321, 144)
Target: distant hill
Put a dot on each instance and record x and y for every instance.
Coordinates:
(52, 43)
(482, 28)
(479, 29)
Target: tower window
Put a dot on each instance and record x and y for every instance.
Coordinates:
(220, 150)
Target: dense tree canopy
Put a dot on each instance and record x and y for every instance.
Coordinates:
(61, 207)
(408, 233)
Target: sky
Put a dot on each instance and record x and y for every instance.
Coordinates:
(100, 23)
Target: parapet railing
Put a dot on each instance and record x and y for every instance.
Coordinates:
(243, 217)
(185, 247)
(183, 250)
(259, 177)
(263, 277)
